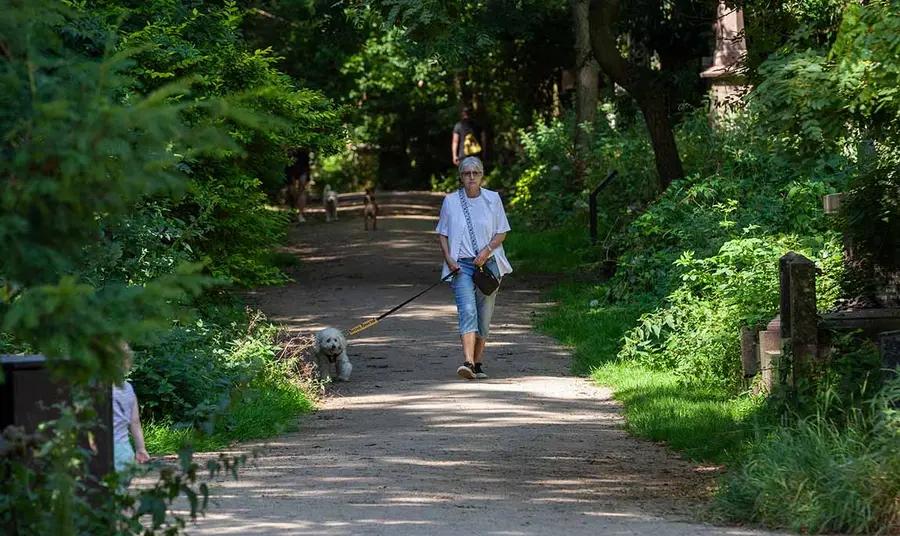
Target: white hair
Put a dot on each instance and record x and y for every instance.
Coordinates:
(471, 163)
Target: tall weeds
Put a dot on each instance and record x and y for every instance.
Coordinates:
(824, 473)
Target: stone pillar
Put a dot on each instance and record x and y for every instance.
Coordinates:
(727, 85)
(769, 348)
(799, 318)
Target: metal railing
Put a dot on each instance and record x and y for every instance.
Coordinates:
(592, 202)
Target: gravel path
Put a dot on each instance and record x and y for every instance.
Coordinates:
(407, 448)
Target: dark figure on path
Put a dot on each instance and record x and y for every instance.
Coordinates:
(296, 178)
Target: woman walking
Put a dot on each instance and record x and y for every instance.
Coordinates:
(472, 228)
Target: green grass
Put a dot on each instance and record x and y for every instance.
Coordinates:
(594, 333)
(269, 410)
(563, 249)
(823, 474)
(702, 422)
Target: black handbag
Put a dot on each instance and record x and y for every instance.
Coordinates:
(483, 278)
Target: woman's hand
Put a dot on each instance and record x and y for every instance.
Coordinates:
(142, 456)
(482, 257)
(452, 265)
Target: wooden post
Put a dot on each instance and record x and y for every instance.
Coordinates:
(889, 346)
(749, 362)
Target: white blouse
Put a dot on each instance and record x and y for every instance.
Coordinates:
(488, 219)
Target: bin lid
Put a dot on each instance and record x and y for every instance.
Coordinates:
(22, 361)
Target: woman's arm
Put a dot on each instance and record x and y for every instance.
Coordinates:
(140, 451)
(445, 248)
(497, 240)
(485, 253)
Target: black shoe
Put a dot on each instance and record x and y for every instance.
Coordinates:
(467, 371)
(479, 372)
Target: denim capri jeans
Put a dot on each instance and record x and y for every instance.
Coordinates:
(473, 308)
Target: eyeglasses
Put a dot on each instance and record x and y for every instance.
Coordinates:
(472, 174)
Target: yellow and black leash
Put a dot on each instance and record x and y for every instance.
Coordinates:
(372, 321)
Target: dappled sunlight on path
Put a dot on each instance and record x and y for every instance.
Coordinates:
(408, 448)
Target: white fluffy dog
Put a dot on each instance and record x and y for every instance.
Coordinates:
(330, 202)
(331, 355)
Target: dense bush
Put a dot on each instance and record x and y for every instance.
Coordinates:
(215, 378)
(81, 152)
(706, 250)
(695, 331)
(538, 181)
(130, 151)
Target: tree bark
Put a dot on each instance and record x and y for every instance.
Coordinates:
(587, 81)
(665, 150)
(642, 84)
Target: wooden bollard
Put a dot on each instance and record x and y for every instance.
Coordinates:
(749, 361)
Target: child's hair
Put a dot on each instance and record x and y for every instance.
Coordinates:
(127, 356)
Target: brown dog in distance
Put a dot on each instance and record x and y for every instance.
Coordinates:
(370, 209)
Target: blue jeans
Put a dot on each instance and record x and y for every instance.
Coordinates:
(473, 308)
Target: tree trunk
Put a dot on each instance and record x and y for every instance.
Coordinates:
(665, 151)
(587, 80)
(643, 85)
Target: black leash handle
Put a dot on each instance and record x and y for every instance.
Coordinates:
(372, 321)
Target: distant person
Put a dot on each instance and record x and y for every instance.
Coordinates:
(468, 138)
(127, 423)
(296, 180)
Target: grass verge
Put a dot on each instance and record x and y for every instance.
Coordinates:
(266, 410)
(812, 474)
(704, 423)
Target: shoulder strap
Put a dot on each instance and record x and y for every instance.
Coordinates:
(465, 209)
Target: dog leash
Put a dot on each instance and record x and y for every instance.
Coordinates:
(371, 322)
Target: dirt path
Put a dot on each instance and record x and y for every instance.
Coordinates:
(407, 448)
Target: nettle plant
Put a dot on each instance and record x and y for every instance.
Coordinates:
(696, 331)
(80, 151)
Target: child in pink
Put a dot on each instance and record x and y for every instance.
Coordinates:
(126, 418)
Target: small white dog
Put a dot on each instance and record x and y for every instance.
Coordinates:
(331, 354)
(330, 202)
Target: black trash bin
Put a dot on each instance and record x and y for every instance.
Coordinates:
(28, 394)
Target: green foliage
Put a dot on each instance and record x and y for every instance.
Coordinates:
(843, 99)
(696, 333)
(745, 183)
(214, 380)
(223, 218)
(823, 473)
(540, 179)
(44, 487)
(268, 407)
(84, 150)
(109, 192)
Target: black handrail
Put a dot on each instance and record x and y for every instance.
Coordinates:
(593, 204)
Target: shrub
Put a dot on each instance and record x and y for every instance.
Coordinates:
(696, 331)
